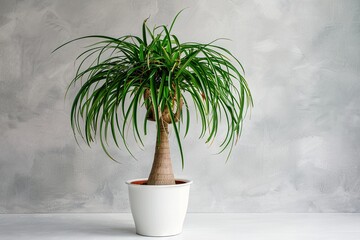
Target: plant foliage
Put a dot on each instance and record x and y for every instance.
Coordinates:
(123, 69)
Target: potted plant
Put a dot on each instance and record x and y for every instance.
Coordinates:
(163, 76)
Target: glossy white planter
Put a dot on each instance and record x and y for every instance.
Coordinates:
(159, 210)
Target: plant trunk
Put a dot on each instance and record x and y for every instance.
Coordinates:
(161, 171)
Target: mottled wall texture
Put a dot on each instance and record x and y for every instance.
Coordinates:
(299, 151)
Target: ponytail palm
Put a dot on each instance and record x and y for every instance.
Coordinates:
(163, 76)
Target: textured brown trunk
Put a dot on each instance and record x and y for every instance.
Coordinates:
(161, 171)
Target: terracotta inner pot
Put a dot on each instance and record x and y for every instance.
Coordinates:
(143, 182)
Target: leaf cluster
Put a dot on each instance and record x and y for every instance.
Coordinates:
(122, 70)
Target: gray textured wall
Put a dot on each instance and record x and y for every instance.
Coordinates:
(298, 153)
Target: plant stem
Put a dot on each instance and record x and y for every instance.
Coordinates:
(161, 171)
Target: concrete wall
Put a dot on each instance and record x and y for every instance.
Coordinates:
(299, 152)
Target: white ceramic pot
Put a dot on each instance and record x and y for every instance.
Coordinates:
(158, 210)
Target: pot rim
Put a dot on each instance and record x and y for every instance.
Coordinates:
(186, 183)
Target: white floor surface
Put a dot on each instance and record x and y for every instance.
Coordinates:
(198, 226)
